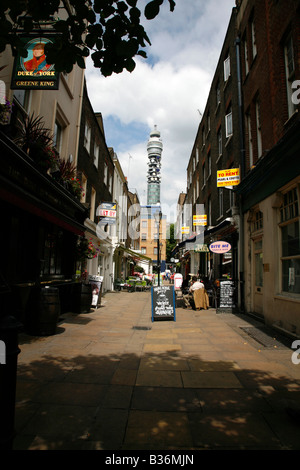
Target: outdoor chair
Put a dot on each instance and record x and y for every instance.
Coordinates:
(201, 299)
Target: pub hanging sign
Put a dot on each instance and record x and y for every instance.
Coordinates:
(33, 72)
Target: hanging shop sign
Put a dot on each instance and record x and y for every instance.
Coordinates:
(200, 219)
(229, 177)
(220, 247)
(107, 212)
(201, 248)
(33, 72)
(185, 229)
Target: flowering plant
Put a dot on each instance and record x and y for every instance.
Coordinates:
(86, 249)
(76, 188)
(51, 157)
(5, 112)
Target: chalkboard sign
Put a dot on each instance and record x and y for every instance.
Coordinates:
(163, 303)
(227, 296)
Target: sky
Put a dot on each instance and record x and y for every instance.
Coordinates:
(169, 89)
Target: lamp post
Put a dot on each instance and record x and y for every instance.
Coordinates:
(158, 216)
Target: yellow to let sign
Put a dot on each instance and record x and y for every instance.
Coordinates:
(230, 177)
(200, 219)
(185, 229)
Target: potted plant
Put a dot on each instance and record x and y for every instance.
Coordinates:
(36, 141)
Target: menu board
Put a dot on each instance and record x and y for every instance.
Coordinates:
(227, 296)
(163, 303)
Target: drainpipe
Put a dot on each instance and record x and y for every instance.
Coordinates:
(242, 164)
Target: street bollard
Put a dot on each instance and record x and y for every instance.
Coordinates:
(9, 328)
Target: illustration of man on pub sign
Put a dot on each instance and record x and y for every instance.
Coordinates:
(33, 71)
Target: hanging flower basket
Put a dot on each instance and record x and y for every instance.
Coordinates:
(5, 112)
(86, 249)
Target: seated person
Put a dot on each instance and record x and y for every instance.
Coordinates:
(194, 286)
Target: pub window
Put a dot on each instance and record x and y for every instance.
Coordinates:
(290, 242)
(53, 249)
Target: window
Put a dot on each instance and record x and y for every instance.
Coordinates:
(208, 165)
(87, 137)
(218, 94)
(105, 173)
(53, 249)
(258, 129)
(250, 145)
(228, 123)
(209, 211)
(246, 56)
(289, 73)
(253, 40)
(143, 250)
(24, 98)
(226, 68)
(203, 174)
(257, 223)
(96, 154)
(57, 137)
(144, 236)
(144, 223)
(220, 142)
(290, 242)
(92, 204)
(220, 194)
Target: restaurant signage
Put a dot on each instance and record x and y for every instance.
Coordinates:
(33, 72)
(220, 247)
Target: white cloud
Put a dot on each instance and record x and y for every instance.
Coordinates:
(167, 90)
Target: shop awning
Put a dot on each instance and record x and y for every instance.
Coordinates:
(134, 254)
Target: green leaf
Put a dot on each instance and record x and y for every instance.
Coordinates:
(151, 10)
(130, 65)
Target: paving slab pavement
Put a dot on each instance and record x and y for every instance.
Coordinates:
(114, 380)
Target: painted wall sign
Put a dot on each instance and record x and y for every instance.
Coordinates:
(33, 72)
(220, 247)
(229, 177)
